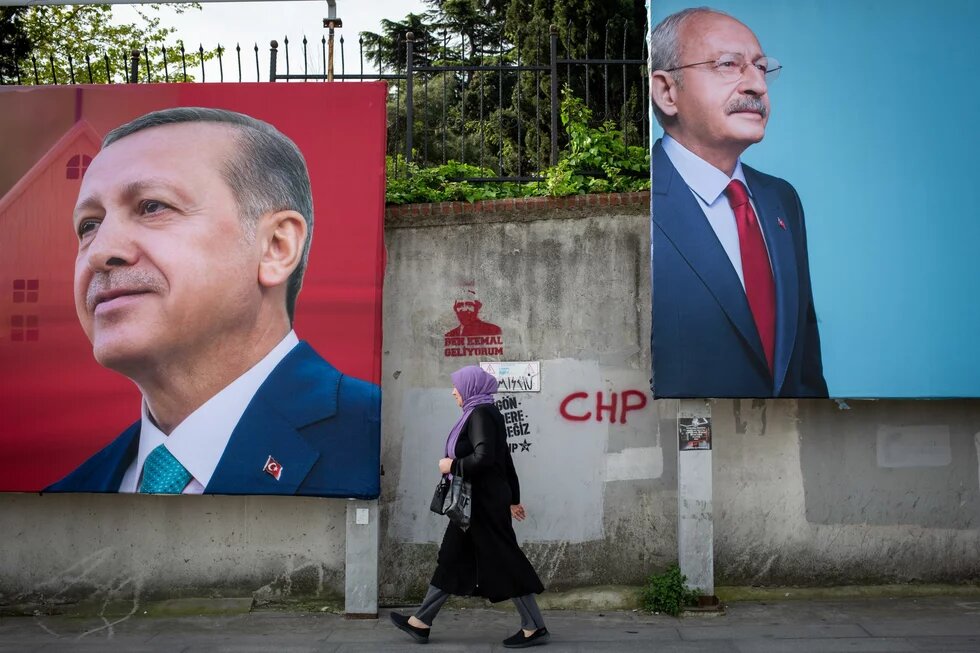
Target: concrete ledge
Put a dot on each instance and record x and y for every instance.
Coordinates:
(519, 209)
(729, 594)
(599, 598)
(196, 607)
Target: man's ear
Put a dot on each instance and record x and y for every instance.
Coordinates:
(663, 92)
(281, 236)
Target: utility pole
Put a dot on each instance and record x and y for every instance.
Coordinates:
(329, 23)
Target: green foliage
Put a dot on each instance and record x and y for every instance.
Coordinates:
(668, 592)
(596, 160)
(56, 32)
(409, 184)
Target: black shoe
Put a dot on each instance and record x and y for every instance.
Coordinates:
(518, 640)
(421, 635)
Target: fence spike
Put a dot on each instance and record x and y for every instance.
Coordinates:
(343, 70)
(183, 59)
(285, 49)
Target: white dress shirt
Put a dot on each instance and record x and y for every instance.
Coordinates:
(708, 184)
(199, 441)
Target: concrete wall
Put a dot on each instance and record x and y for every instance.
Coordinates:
(804, 492)
(565, 289)
(123, 548)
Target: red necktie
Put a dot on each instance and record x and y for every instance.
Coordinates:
(759, 286)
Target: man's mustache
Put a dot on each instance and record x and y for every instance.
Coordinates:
(747, 104)
(123, 281)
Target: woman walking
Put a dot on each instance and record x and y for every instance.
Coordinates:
(485, 559)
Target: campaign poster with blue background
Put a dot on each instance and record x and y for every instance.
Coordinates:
(873, 121)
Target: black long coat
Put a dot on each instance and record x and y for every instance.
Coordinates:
(485, 560)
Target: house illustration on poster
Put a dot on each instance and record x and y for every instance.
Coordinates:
(38, 248)
(45, 357)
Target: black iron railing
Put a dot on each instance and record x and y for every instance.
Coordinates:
(483, 107)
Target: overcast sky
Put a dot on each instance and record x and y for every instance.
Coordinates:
(249, 23)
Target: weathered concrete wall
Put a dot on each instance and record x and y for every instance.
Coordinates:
(808, 493)
(804, 492)
(565, 290)
(67, 548)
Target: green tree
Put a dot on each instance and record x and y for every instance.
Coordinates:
(596, 29)
(83, 42)
(386, 49)
(502, 119)
(14, 41)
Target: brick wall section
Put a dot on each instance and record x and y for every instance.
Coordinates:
(518, 204)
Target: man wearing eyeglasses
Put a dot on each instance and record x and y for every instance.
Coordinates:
(733, 311)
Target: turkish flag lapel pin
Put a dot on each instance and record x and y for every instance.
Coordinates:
(272, 468)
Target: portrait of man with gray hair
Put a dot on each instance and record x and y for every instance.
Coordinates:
(194, 228)
(733, 312)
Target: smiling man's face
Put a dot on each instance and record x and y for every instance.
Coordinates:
(714, 112)
(164, 265)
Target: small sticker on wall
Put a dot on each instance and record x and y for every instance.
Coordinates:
(694, 433)
(523, 376)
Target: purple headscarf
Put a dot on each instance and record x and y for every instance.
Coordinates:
(476, 387)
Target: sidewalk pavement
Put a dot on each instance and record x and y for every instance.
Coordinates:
(887, 625)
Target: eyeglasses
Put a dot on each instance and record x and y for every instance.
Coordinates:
(732, 65)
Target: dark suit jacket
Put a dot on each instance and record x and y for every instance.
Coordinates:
(704, 341)
(321, 426)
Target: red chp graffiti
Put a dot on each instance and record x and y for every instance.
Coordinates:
(473, 336)
(581, 406)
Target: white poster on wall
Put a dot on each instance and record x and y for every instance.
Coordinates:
(522, 376)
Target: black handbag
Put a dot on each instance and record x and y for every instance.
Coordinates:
(454, 499)
(439, 496)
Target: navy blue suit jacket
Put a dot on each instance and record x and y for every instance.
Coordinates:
(704, 341)
(324, 428)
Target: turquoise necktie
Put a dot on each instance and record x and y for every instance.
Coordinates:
(163, 474)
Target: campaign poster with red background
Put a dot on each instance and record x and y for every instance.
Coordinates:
(58, 406)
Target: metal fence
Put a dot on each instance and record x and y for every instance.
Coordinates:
(487, 108)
